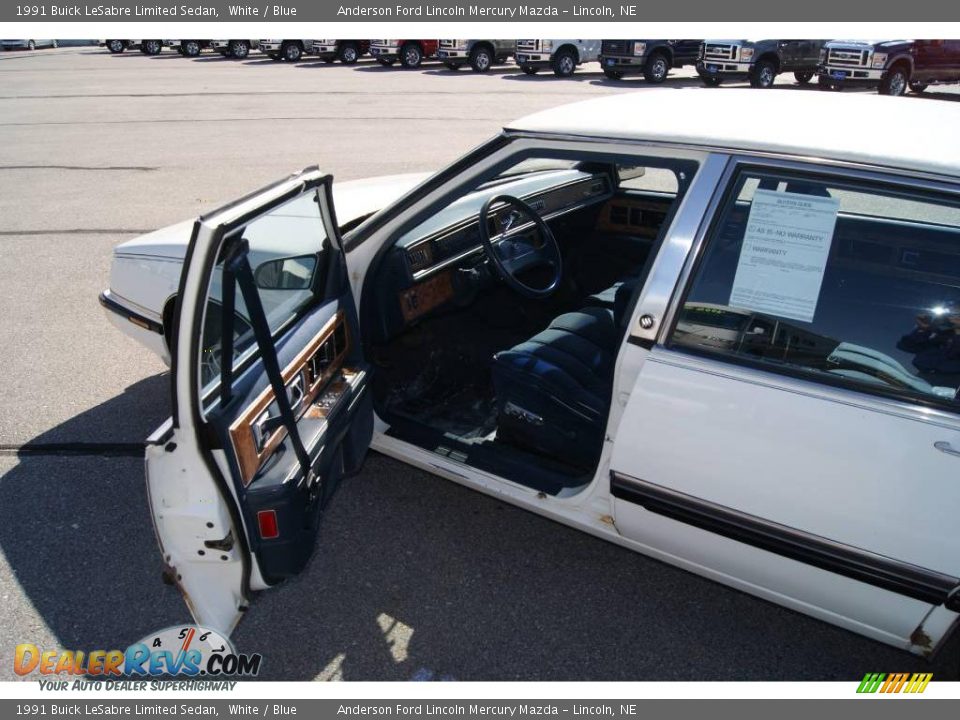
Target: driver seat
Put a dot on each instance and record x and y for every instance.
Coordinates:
(553, 390)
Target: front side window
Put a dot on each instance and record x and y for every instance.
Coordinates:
(287, 248)
(844, 282)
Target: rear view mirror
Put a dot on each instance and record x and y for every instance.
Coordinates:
(292, 273)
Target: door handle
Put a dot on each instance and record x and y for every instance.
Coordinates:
(945, 447)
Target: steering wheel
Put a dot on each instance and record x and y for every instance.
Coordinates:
(518, 247)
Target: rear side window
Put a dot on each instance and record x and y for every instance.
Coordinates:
(845, 283)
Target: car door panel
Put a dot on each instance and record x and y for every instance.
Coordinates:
(323, 362)
(239, 479)
(811, 448)
(734, 428)
(810, 490)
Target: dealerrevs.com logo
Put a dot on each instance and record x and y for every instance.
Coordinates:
(914, 683)
(180, 650)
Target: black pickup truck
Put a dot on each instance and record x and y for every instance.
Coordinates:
(759, 61)
(653, 58)
(891, 66)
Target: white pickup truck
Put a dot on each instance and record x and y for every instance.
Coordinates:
(291, 50)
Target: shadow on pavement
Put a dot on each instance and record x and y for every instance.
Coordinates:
(76, 532)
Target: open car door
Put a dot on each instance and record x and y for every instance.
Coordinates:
(269, 407)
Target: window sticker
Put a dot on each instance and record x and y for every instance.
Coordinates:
(784, 254)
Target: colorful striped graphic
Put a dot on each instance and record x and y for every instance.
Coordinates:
(894, 682)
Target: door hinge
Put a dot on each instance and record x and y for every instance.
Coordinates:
(224, 544)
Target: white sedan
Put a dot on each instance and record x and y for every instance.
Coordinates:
(732, 346)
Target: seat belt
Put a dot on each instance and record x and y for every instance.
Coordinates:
(238, 266)
(228, 306)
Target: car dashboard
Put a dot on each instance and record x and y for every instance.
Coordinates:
(432, 264)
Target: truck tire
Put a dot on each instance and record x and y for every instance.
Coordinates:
(349, 53)
(613, 74)
(763, 74)
(481, 59)
(656, 69)
(895, 82)
(803, 77)
(291, 51)
(918, 87)
(411, 56)
(116, 46)
(239, 49)
(564, 63)
(191, 48)
(529, 69)
(825, 83)
(31, 45)
(452, 66)
(152, 47)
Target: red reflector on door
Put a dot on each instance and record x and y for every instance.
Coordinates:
(267, 519)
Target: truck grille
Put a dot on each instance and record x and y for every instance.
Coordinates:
(528, 45)
(720, 51)
(848, 57)
(616, 47)
(448, 44)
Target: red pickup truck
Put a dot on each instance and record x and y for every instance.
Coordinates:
(410, 52)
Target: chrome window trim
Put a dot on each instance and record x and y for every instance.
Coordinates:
(665, 277)
(802, 386)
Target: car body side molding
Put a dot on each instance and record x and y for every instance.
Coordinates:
(852, 562)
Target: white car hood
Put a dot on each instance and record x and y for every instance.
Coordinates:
(353, 199)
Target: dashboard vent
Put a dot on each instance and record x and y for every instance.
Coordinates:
(419, 257)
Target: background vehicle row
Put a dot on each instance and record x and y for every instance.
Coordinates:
(892, 66)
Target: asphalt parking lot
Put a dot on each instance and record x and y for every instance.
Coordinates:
(414, 577)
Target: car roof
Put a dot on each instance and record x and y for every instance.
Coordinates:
(911, 133)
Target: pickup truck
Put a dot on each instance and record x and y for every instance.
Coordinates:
(147, 47)
(481, 55)
(759, 61)
(653, 58)
(188, 48)
(410, 53)
(346, 51)
(291, 50)
(891, 66)
(238, 49)
(562, 56)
